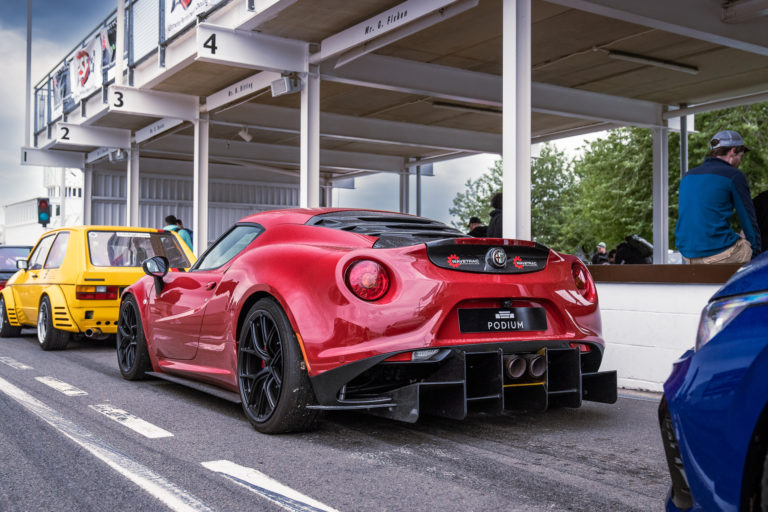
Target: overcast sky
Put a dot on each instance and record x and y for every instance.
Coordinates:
(56, 28)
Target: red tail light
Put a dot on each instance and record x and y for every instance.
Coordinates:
(368, 279)
(96, 292)
(583, 281)
(583, 347)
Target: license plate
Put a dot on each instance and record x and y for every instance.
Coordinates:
(502, 319)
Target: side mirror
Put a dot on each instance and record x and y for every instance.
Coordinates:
(22, 264)
(156, 267)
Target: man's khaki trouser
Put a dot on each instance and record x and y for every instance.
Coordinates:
(740, 252)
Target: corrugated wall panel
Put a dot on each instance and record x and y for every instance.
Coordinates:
(159, 196)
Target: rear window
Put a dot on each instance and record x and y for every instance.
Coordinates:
(131, 248)
(9, 256)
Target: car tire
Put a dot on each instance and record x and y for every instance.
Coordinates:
(6, 329)
(48, 336)
(132, 354)
(762, 504)
(272, 375)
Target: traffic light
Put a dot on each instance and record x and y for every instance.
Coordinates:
(43, 211)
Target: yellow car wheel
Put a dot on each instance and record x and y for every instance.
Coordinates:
(6, 329)
(48, 336)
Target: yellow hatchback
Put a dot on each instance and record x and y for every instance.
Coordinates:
(72, 280)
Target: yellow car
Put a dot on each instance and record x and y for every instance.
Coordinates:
(72, 280)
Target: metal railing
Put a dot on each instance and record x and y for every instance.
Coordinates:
(90, 67)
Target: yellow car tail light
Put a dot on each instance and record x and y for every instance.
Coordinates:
(83, 292)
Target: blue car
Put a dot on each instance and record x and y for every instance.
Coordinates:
(713, 417)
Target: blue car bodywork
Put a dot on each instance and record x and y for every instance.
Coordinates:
(713, 417)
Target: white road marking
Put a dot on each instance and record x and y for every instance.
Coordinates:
(172, 496)
(127, 419)
(60, 386)
(15, 364)
(261, 484)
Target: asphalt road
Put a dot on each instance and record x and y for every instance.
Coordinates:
(73, 449)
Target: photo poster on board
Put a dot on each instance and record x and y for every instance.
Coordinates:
(180, 13)
(85, 69)
(108, 37)
(61, 91)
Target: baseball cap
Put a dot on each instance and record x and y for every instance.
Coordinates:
(727, 139)
(601, 244)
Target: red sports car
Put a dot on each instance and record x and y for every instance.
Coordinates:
(293, 312)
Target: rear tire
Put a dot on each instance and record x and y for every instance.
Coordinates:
(48, 336)
(272, 376)
(132, 355)
(6, 329)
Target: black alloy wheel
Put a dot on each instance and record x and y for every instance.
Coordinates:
(6, 329)
(132, 354)
(272, 376)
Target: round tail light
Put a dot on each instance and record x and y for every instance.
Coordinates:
(368, 280)
(583, 281)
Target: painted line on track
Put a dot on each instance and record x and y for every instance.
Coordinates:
(172, 496)
(644, 396)
(15, 364)
(259, 483)
(134, 423)
(61, 386)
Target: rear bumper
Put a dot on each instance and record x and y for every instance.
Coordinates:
(457, 381)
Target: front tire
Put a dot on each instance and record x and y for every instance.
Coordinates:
(274, 385)
(132, 354)
(6, 329)
(48, 336)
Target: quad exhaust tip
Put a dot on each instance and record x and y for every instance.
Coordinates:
(516, 366)
(537, 366)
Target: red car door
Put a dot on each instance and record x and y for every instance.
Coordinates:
(177, 313)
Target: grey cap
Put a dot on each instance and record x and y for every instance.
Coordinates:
(601, 244)
(727, 139)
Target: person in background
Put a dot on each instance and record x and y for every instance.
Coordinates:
(495, 227)
(171, 225)
(600, 257)
(612, 257)
(761, 212)
(185, 230)
(708, 195)
(476, 228)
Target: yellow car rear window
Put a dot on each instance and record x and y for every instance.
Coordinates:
(131, 248)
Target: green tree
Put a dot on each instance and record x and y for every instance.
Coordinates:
(552, 184)
(476, 200)
(553, 187)
(613, 197)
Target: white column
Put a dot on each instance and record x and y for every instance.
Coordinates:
(63, 198)
(660, 194)
(405, 190)
(200, 199)
(516, 120)
(28, 95)
(132, 187)
(309, 174)
(87, 194)
(418, 190)
(683, 144)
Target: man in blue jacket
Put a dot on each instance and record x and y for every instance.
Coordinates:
(708, 196)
